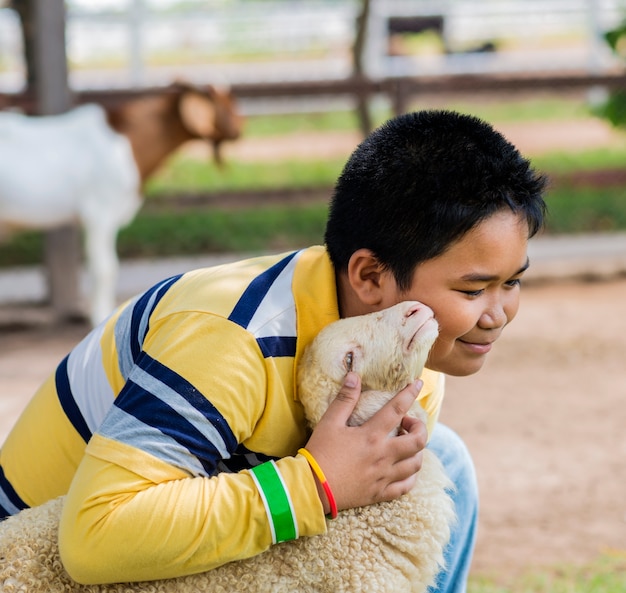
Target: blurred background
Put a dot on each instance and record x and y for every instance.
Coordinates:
(312, 76)
(309, 78)
(121, 43)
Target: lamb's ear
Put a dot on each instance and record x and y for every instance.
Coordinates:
(197, 113)
(367, 277)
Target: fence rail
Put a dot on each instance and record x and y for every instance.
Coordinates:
(399, 90)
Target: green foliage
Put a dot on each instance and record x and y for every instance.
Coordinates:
(615, 36)
(613, 108)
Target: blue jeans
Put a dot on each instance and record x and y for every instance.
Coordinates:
(451, 450)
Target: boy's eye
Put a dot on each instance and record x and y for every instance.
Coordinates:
(509, 283)
(473, 293)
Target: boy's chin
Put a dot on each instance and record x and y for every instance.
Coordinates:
(462, 368)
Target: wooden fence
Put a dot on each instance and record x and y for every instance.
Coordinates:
(399, 90)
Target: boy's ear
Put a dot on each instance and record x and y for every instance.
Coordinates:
(367, 277)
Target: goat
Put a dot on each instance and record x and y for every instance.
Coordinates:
(89, 165)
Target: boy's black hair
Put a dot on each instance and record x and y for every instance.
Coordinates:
(421, 181)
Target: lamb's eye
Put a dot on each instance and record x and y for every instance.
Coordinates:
(348, 360)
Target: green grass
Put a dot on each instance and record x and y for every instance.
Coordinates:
(588, 160)
(605, 575)
(166, 232)
(246, 230)
(191, 175)
(493, 110)
(169, 233)
(497, 110)
(571, 210)
(292, 123)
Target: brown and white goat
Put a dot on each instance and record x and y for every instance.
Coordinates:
(89, 165)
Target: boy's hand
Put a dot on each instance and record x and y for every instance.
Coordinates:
(363, 464)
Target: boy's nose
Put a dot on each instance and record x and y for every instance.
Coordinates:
(493, 318)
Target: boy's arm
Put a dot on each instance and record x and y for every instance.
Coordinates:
(142, 504)
(119, 526)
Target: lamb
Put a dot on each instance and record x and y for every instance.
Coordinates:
(89, 165)
(386, 547)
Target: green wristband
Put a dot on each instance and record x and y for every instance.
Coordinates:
(277, 502)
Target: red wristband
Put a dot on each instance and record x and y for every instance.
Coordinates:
(317, 470)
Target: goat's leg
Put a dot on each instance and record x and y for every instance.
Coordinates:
(102, 266)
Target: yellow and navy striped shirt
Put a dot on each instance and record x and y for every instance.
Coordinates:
(150, 424)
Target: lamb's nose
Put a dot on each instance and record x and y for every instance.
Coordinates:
(419, 310)
(413, 309)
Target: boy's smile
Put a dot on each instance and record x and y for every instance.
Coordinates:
(473, 288)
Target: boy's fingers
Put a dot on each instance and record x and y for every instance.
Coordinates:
(413, 425)
(392, 413)
(344, 403)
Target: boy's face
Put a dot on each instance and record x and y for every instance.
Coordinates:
(473, 288)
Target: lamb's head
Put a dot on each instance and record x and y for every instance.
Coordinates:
(388, 349)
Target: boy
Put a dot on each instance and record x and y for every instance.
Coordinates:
(156, 423)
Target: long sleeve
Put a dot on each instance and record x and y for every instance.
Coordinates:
(118, 526)
(145, 502)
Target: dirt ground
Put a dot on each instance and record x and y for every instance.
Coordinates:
(544, 420)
